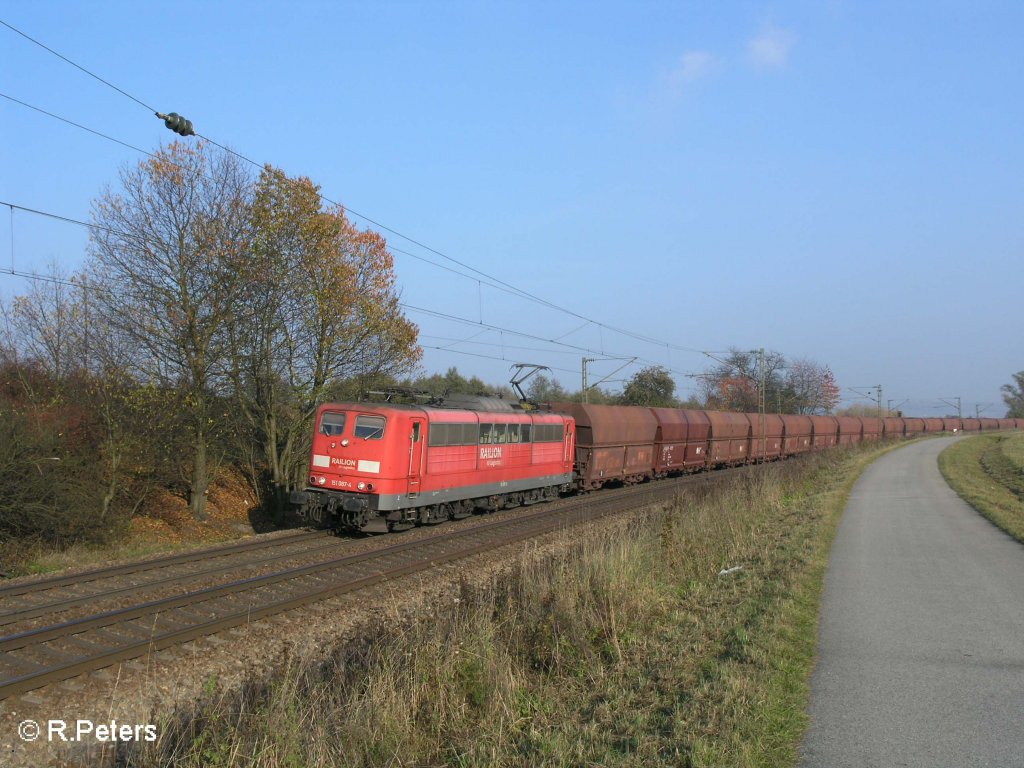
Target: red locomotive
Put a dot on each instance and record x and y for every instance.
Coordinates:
(380, 467)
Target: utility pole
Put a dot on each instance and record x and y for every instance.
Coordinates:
(586, 385)
(891, 401)
(877, 397)
(764, 408)
(959, 410)
(762, 416)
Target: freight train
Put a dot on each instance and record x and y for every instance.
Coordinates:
(381, 467)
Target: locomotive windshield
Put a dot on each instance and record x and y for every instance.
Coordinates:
(370, 427)
(332, 424)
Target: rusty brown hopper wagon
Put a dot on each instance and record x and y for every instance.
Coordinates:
(825, 429)
(892, 426)
(872, 428)
(613, 442)
(729, 439)
(681, 440)
(914, 426)
(849, 430)
(797, 433)
(766, 444)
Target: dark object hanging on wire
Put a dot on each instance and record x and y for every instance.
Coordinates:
(177, 123)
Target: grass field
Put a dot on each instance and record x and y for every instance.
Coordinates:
(685, 637)
(988, 473)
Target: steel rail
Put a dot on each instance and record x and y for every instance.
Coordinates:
(16, 616)
(53, 582)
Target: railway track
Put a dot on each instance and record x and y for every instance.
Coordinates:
(21, 603)
(54, 582)
(58, 651)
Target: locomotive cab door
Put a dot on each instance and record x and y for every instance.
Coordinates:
(416, 448)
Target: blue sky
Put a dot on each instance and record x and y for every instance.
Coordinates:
(840, 181)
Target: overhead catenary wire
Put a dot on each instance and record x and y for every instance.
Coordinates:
(575, 348)
(76, 125)
(479, 282)
(77, 66)
(115, 140)
(534, 337)
(376, 223)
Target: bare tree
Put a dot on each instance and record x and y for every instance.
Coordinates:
(169, 254)
(809, 388)
(800, 386)
(46, 324)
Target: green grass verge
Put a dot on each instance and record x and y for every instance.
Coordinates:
(987, 471)
(636, 646)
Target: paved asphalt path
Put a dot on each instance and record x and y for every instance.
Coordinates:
(921, 652)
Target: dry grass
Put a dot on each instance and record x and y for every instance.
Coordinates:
(630, 649)
(987, 471)
(163, 525)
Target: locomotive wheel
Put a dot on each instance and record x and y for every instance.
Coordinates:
(436, 515)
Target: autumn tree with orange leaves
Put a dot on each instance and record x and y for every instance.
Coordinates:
(320, 307)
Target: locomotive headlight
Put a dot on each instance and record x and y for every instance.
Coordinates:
(312, 479)
(344, 443)
(361, 486)
(322, 480)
